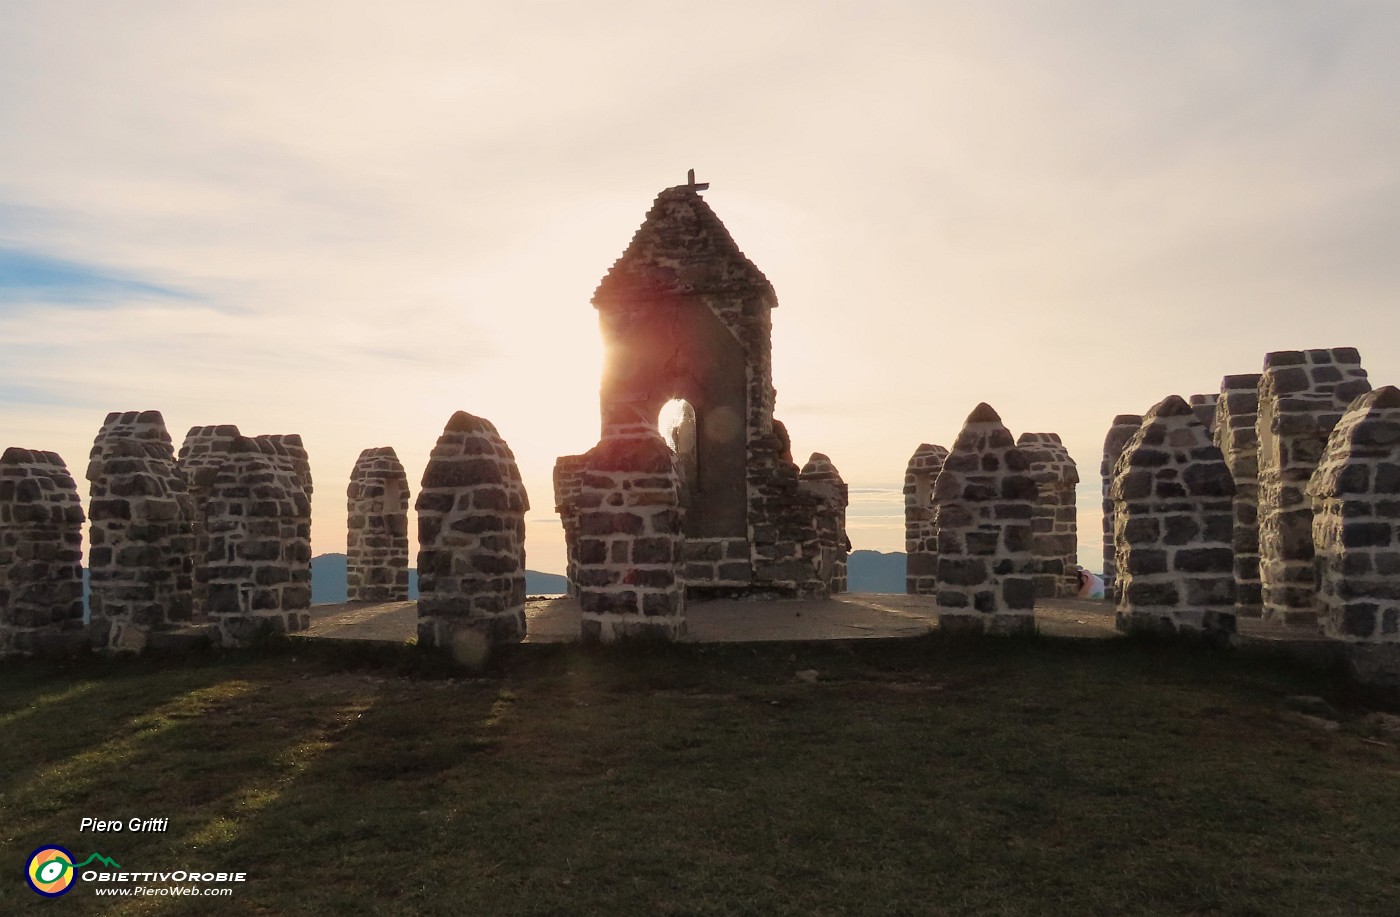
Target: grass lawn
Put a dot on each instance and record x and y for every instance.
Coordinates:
(927, 776)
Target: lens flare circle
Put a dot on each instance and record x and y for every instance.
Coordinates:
(49, 871)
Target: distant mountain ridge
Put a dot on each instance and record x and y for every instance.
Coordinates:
(875, 571)
(866, 571)
(328, 581)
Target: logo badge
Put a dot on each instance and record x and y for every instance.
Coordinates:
(50, 871)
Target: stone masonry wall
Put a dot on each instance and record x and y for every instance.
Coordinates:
(203, 453)
(376, 545)
(1203, 406)
(630, 549)
(782, 520)
(1236, 413)
(1122, 430)
(984, 500)
(142, 559)
(568, 477)
(820, 477)
(1173, 520)
(41, 552)
(1054, 527)
(920, 536)
(256, 544)
(1302, 395)
(1356, 522)
(471, 541)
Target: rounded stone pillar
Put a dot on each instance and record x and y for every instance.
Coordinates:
(1174, 521)
(376, 564)
(471, 542)
(920, 537)
(141, 565)
(984, 500)
(41, 553)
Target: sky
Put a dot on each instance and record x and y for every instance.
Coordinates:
(349, 220)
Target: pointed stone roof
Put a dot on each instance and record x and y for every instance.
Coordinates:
(681, 249)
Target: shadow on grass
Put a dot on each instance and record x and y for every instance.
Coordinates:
(932, 775)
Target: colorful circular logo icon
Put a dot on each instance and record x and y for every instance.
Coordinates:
(50, 871)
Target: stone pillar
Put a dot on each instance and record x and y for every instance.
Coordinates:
(1302, 395)
(1055, 526)
(376, 543)
(568, 476)
(255, 544)
(202, 454)
(920, 537)
(471, 542)
(1203, 406)
(41, 553)
(782, 521)
(1122, 430)
(984, 500)
(1356, 522)
(631, 542)
(820, 477)
(1173, 518)
(1236, 413)
(293, 457)
(142, 558)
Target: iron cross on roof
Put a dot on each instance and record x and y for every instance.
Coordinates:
(690, 182)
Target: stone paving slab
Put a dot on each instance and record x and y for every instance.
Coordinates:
(861, 615)
(849, 616)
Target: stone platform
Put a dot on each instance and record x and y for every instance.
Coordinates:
(848, 616)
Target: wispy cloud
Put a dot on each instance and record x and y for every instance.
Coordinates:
(33, 279)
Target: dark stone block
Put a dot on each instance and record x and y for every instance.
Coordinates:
(737, 571)
(1210, 591)
(1017, 538)
(1144, 457)
(222, 598)
(1142, 561)
(1358, 619)
(1209, 480)
(1151, 593)
(296, 597)
(1204, 560)
(977, 492)
(921, 564)
(985, 601)
(656, 579)
(1291, 380)
(618, 602)
(981, 542)
(1141, 529)
(1018, 593)
(1018, 487)
(657, 550)
(666, 522)
(961, 571)
(429, 502)
(948, 598)
(1388, 478)
(655, 604)
(592, 551)
(1134, 485)
(1366, 534)
(462, 473)
(1182, 529)
(598, 523)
